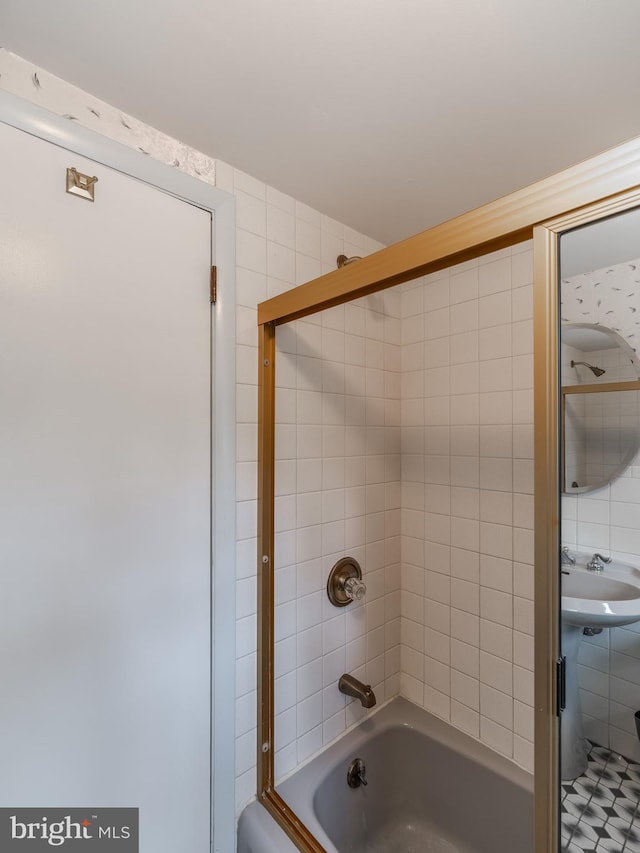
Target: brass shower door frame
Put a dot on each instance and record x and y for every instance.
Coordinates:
(542, 211)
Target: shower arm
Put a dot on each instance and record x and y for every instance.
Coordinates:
(597, 371)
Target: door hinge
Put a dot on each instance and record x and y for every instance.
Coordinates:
(561, 684)
(214, 285)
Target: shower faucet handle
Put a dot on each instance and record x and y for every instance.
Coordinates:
(355, 589)
(345, 583)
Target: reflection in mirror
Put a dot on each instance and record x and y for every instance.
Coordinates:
(599, 337)
(601, 433)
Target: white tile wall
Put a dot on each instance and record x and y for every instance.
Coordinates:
(338, 493)
(467, 498)
(335, 469)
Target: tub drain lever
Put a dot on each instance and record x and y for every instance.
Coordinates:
(356, 773)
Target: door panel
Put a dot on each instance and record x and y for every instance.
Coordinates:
(105, 421)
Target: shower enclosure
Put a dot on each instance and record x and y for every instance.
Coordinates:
(439, 432)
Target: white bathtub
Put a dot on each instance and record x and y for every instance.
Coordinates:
(430, 788)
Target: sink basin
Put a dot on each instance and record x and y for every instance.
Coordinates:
(604, 599)
(589, 599)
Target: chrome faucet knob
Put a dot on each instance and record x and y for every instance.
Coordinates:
(597, 562)
(354, 588)
(566, 557)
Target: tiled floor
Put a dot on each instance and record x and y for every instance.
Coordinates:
(600, 810)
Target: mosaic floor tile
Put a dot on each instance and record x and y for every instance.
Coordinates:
(587, 788)
(624, 808)
(594, 814)
(566, 829)
(608, 845)
(587, 836)
(631, 790)
(616, 829)
(601, 794)
(600, 811)
(634, 772)
(599, 754)
(575, 805)
(612, 777)
(633, 837)
(594, 772)
(575, 847)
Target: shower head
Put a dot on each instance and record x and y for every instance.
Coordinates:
(597, 371)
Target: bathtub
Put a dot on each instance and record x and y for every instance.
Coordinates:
(429, 788)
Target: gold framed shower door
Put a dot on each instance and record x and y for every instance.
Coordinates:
(592, 189)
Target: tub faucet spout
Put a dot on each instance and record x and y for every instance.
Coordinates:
(351, 686)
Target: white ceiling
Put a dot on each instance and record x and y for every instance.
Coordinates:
(389, 115)
(609, 241)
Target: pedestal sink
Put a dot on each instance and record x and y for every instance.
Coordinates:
(590, 599)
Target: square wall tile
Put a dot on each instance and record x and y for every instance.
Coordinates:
(495, 276)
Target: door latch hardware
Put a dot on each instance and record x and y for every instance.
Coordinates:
(561, 684)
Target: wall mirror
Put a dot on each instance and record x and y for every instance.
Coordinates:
(600, 402)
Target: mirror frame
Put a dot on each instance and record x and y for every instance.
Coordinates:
(510, 220)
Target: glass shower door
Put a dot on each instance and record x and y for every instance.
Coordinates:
(599, 404)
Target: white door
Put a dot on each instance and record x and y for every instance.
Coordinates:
(105, 489)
